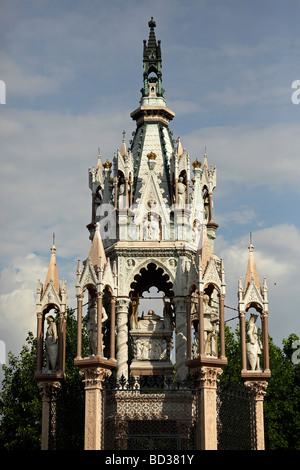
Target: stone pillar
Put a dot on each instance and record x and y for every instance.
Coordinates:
(112, 327)
(99, 325)
(94, 412)
(122, 306)
(79, 325)
(207, 436)
(222, 327)
(189, 327)
(48, 390)
(259, 389)
(265, 338)
(61, 342)
(181, 338)
(243, 341)
(40, 335)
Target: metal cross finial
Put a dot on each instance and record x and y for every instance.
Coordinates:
(250, 238)
(124, 134)
(53, 239)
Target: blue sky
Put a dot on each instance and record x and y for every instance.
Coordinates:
(73, 74)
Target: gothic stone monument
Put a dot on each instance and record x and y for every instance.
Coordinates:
(152, 225)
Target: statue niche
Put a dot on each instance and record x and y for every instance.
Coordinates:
(253, 346)
(211, 327)
(151, 339)
(90, 322)
(51, 346)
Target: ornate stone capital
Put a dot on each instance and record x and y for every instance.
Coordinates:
(94, 376)
(208, 377)
(49, 390)
(259, 387)
(122, 304)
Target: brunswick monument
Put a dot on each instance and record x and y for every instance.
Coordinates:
(152, 225)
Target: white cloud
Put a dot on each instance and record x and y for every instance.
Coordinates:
(18, 284)
(267, 156)
(28, 83)
(242, 216)
(277, 259)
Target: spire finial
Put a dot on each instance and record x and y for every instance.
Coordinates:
(52, 274)
(151, 23)
(251, 244)
(53, 248)
(251, 272)
(152, 61)
(205, 158)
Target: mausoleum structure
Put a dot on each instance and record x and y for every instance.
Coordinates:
(152, 226)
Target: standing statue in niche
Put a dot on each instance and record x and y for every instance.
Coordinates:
(90, 323)
(151, 228)
(51, 345)
(254, 346)
(168, 315)
(181, 192)
(122, 195)
(134, 313)
(211, 322)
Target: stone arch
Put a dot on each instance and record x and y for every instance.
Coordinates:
(256, 305)
(151, 273)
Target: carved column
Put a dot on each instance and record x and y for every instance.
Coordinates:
(189, 327)
(48, 390)
(61, 342)
(99, 325)
(207, 437)
(122, 337)
(243, 341)
(181, 338)
(265, 338)
(94, 412)
(112, 327)
(259, 388)
(222, 327)
(79, 325)
(39, 354)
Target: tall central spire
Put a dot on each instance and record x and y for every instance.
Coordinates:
(152, 61)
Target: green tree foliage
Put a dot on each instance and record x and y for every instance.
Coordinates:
(232, 372)
(282, 400)
(20, 400)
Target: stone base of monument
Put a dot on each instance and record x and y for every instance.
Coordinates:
(138, 368)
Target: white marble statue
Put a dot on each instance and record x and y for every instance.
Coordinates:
(168, 315)
(181, 192)
(51, 345)
(90, 323)
(253, 346)
(211, 323)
